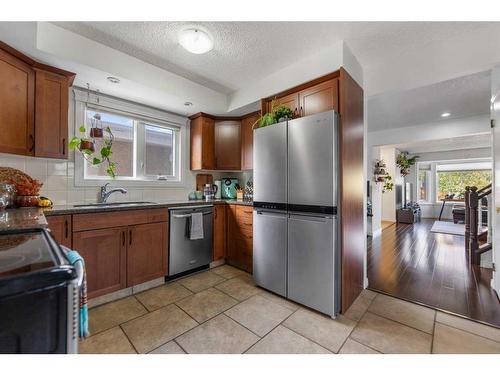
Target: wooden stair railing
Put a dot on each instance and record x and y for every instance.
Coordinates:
(473, 198)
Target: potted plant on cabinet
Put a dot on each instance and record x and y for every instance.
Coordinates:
(277, 114)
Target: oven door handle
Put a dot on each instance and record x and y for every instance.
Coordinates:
(80, 273)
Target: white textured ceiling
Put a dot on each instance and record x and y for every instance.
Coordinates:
(462, 97)
(448, 144)
(248, 51)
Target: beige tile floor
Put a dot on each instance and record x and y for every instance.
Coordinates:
(222, 311)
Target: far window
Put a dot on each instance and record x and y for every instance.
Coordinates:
(424, 183)
(142, 150)
(453, 178)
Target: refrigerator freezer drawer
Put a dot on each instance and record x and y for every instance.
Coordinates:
(311, 262)
(269, 250)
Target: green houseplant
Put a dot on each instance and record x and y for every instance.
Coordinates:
(404, 163)
(278, 113)
(87, 147)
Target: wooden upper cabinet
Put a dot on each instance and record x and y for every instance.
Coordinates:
(228, 145)
(219, 235)
(202, 136)
(17, 105)
(291, 101)
(51, 115)
(247, 141)
(60, 228)
(146, 252)
(319, 98)
(34, 106)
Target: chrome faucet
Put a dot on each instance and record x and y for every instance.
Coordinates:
(105, 193)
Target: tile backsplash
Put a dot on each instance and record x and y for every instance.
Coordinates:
(58, 182)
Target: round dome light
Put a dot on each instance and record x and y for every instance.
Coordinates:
(196, 41)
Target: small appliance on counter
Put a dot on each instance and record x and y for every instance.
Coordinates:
(39, 295)
(209, 192)
(219, 190)
(229, 188)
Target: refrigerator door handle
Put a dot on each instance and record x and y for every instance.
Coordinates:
(269, 213)
(318, 218)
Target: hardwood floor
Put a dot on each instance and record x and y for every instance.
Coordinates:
(413, 263)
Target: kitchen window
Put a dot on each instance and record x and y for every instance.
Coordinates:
(143, 150)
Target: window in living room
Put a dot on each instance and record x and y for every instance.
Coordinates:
(453, 178)
(424, 183)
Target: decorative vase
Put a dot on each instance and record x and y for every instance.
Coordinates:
(27, 200)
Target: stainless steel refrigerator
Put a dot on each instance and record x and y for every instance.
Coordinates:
(295, 250)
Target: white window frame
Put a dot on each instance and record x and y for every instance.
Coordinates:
(141, 115)
(429, 186)
(462, 163)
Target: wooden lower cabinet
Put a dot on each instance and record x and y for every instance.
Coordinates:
(104, 251)
(146, 252)
(118, 256)
(60, 228)
(240, 237)
(219, 232)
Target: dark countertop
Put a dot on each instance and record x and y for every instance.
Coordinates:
(32, 218)
(22, 218)
(71, 209)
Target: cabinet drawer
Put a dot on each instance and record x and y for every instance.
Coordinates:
(114, 219)
(158, 214)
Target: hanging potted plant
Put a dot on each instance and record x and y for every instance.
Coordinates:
(96, 126)
(87, 147)
(404, 163)
(380, 175)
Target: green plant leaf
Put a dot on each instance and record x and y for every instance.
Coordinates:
(96, 161)
(74, 143)
(105, 152)
(82, 129)
(87, 152)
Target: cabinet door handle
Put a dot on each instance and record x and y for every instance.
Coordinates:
(64, 146)
(66, 228)
(123, 238)
(130, 237)
(301, 111)
(32, 143)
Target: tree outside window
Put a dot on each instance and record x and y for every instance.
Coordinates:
(454, 182)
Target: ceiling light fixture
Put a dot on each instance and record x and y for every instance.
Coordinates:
(445, 114)
(196, 41)
(113, 79)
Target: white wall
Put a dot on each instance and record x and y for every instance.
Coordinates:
(375, 194)
(388, 154)
(444, 129)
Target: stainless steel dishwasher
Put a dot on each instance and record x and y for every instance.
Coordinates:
(185, 254)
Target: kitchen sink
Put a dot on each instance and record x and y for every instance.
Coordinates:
(113, 204)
